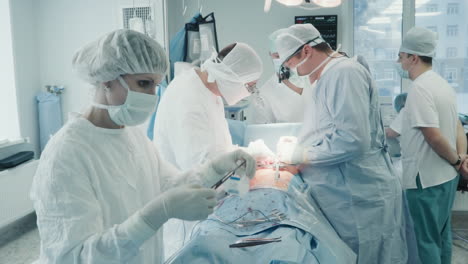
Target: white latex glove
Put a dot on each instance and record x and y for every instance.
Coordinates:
(289, 151)
(213, 171)
(188, 202)
(259, 150)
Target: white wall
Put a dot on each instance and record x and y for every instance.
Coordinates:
(245, 21)
(65, 26)
(26, 60)
(46, 34)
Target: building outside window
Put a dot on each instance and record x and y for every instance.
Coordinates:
(451, 75)
(432, 28)
(431, 8)
(375, 20)
(452, 30)
(451, 52)
(389, 74)
(452, 9)
(377, 37)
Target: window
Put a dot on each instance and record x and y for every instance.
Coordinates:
(432, 28)
(377, 37)
(389, 74)
(8, 103)
(391, 54)
(450, 75)
(451, 52)
(452, 30)
(431, 8)
(452, 9)
(379, 53)
(451, 58)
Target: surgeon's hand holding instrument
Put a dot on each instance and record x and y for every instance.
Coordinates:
(188, 202)
(227, 176)
(213, 171)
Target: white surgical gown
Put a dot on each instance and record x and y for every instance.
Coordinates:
(280, 104)
(349, 171)
(89, 181)
(190, 129)
(190, 126)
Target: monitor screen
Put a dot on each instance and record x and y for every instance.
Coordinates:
(326, 25)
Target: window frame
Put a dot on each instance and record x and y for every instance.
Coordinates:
(454, 72)
(453, 8)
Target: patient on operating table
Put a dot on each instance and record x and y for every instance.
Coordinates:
(266, 176)
(276, 221)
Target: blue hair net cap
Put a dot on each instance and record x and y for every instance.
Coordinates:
(118, 53)
(400, 101)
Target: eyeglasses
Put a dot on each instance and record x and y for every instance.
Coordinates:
(251, 88)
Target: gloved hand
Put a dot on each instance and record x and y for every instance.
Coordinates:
(188, 202)
(258, 150)
(289, 151)
(213, 171)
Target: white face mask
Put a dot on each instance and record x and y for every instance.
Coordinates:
(232, 92)
(305, 78)
(135, 110)
(403, 73)
(297, 80)
(276, 64)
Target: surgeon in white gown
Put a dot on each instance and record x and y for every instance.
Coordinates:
(101, 191)
(190, 127)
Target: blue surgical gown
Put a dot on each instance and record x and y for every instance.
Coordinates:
(348, 168)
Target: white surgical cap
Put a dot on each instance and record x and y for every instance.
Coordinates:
(118, 53)
(241, 65)
(295, 37)
(419, 41)
(272, 39)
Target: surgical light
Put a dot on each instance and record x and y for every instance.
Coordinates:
(290, 2)
(326, 3)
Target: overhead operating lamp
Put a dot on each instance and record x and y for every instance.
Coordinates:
(305, 4)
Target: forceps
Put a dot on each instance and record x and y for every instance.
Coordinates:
(250, 242)
(227, 176)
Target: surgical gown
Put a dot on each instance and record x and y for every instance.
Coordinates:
(190, 129)
(348, 168)
(89, 181)
(277, 104)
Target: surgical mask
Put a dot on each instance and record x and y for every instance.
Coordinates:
(135, 110)
(403, 73)
(232, 92)
(297, 80)
(305, 78)
(277, 65)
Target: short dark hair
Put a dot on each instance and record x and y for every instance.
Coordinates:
(225, 51)
(425, 59)
(323, 47)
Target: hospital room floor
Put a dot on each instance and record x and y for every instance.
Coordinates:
(19, 243)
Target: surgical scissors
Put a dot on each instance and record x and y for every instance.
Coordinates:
(227, 176)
